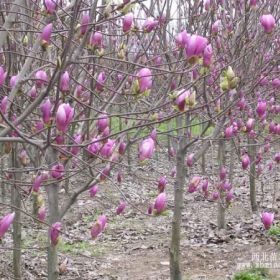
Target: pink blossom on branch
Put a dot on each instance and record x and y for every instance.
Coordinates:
(146, 149)
(127, 22)
(50, 6)
(267, 219)
(64, 116)
(268, 23)
(54, 233)
(5, 223)
(46, 35)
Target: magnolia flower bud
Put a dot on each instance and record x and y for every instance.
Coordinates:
(64, 116)
(54, 233)
(5, 223)
(64, 82)
(93, 190)
(84, 22)
(46, 35)
(267, 219)
(41, 78)
(50, 6)
(46, 111)
(245, 161)
(121, 208)
(127, 22)
(146, 149)
(162, 183)
(160, 203)
(42, 214)
(57, 171)
(268, 23)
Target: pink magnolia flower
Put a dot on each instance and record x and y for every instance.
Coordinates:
(194, 184)
(121, 207)
(105, 173)
(215, 195)
(153, 134)
(42, 214)
(263, 80)
(275, 83)
(173, 172)
(94, 147)
(3, 105)
(5, 223)
(84, 22)
(127, 22)
(93, 190)
(100, 81)
(245, 161)
(180, 101)
(250, 124)
(268, 23)
(189, 160)
(108, 148)
(54, 233)
(2, 76)
(207, 4)
(195, 47)
(13, 81)
(171, 152)
(64, 116)
(57, 171)
(102, 122)
(146, 149)
(229, 132)
(267, 219)
(223, 173)
(77, 140)
(277, 157)
(205, 186)
(33, 92)
(23, 157)
(96, 39)
(46, 108)
(59, 139)
(39, 126)
(216, 26)
(46, 35)
(229, 197)
(37, 183)
(182, 39)
(253, 3)
(50, 6)
(122, 148)
(162, 183)
(160, 203)
(150, 24)
(145, 79)
(261, 108)
(207, 56)
(41, 78)
(99, 226)
(64, 82)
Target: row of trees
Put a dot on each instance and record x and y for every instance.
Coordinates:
(86, 85)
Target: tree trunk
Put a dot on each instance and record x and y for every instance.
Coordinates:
(252, 176)
(52, 192)
(174, 252)
(221, 206)
(16, 201)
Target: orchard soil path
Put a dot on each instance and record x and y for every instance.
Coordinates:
(135, 246)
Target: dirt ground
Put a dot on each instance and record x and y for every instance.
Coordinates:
(135, 246)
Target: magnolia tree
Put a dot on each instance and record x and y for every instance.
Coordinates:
(86, 84)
